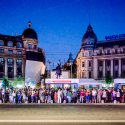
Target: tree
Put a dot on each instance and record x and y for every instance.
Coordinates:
(108, 79)
(5, 83)
(19, 81)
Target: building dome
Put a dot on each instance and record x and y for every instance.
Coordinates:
(89, 38)
(29, 32)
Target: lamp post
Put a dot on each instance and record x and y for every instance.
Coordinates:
(48, 73)
(70, 61)
(71, 70)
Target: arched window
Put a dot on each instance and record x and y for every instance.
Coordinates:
(1, 60)
(19, 61)
(10, 61)
(19, 45)
(10, 44)
(30, 46)
(1, 43)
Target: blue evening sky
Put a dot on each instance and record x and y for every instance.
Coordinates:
(60, 24)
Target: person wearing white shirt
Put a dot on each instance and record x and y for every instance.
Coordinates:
(59, 96)
(94, 95)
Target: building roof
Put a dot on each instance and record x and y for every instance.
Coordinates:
(14, 39)
(29, 33)
(89, 38)
(111, 43)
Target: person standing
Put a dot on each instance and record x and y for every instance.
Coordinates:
(94, 95)
(104, 95)
(82, 94)
(69, 96)
(109, 97)
(114, 96)
(3, 95)
(99, 96)
(59, 96)
(55, 96)
(65, 95)
(118, 96)
(87, 96)
(74, 96)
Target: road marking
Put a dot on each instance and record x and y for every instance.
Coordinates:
(63, 121)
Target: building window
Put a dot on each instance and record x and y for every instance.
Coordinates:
(100, 74)
(83, 75)
(35, 46)
(1, 60)
(123, 50)
(19, 52)
(30, 46)
(116, 51)
(116, 62)
(123, 61)
(19, 71)
(1, 43)
(10, 44)
(108, 51)
(90, 53)
(19, 45)
(10, 51)
(10, 61)
(1, 50)
(90, 75)
(90, 63)
(83, 64)
(108, 73)
(100, 63)
(83, 54)
(19, 61)
(10, 69)
(86, 53)
(100, 52)
(1, 68)
(108, 62)
(116, 74)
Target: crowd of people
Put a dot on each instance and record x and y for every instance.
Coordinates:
(66, 95)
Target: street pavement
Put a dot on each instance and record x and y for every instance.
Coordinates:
(62, 114)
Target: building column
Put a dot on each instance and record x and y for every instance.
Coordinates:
(86, 65)
(119, 72)
(6, 74)
(80, 68)
(103, 68)
(15, 68)
(23, 68)
(95, 68)
(111, 67)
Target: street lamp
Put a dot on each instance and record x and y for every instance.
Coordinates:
(49, 62)
(70, 61)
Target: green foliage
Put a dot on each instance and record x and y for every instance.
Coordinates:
(108, 79)
(5, 82)
(18, 81)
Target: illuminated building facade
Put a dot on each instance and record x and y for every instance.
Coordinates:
(17, 52)
(99, 59)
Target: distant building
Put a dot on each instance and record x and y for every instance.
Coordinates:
(98, 59)
(21, 57)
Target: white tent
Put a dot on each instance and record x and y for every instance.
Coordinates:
(90, 82)
(119, 81)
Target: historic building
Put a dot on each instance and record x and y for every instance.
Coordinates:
(17, 53)
(99, 59)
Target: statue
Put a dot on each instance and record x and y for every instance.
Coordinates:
(58, 70)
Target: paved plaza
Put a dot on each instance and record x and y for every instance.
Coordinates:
(54, 114)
